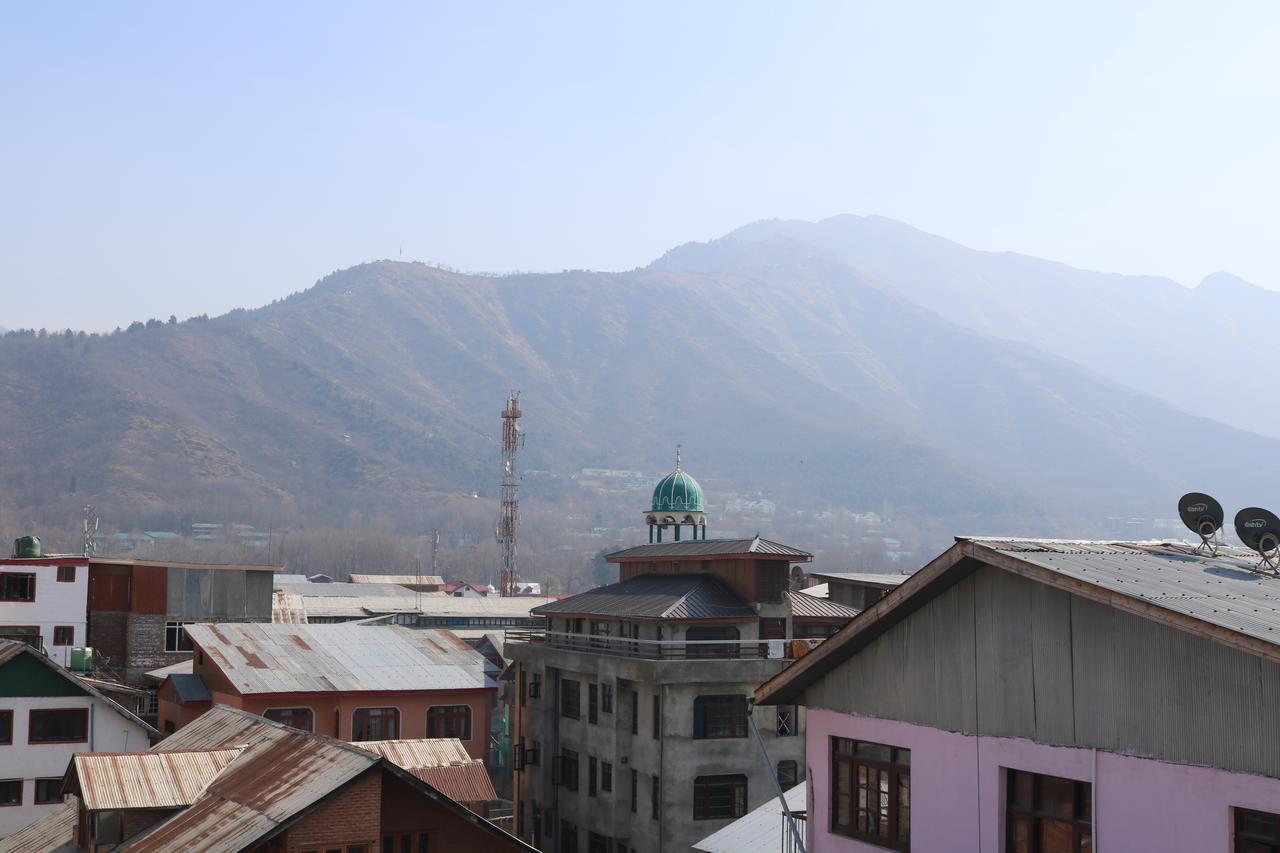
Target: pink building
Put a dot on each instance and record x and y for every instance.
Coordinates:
(1049, 696)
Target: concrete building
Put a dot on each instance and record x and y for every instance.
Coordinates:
(233, 781)
(47, 715)
(43, 601)
(1051, 696)
(632, 723)
(353, 682)
(137, 609)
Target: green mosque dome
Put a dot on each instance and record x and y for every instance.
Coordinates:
(678, 492)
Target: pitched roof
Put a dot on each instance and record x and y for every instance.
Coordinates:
(53, 833)
(9, 649)
(400, 580)
(657, 596)
(159, 675)
(1221, 597)
(701, 549)
(358, 600)
(882, 579)
(761, 830)
(442, 763)
(261, 658)
(190, 687)
(809, 606)
(147, 780)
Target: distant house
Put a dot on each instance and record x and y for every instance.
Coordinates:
(1052, 696)
(43, 602)
(353, 682)
(528, 588)
(466, 589)
(234, 781)
(46, 715)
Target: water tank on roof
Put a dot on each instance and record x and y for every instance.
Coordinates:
(26, 546)
(81, 659)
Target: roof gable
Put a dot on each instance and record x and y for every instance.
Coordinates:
(657, 596)
(704, 549)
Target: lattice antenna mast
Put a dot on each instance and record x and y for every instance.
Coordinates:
(509, 519)
(90, 530)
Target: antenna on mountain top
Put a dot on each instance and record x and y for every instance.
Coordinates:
(90, 530)
(1259, 530)
(1203, 516)
(509, 517)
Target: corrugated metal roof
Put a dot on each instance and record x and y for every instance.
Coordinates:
(358, 600)
(401, 580)
(285, 577)
(443, 763)
(190, 687)
(657, 596)
(761, 830)
(274, 658)
(703, 548)
(884, 579)
(159, 675)
(147, 780)
(52, 833)
(222, 727)
(1222, 590)
(818, 608)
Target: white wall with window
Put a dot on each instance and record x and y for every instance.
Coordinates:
(44, 604)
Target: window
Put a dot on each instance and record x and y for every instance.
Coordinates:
(108, 827)
(718, 797)
(535, 685)
(61, 725)
(17, 587)
(449, 721)
(402, 843)
(787, 721)
(1256, 832)
(375, 724)
(570, 699)
(64, 635)
(176, 639)
(10, 792)
(606, 777)
(48, 791)
(569, 769)
(787, 772)
(29, 634)
(635, 788)
(298, 718)
(592, 770)
(593, 703)
(1047, 814)
(66, 574)
(657, 716)
(568, 837)
(719, 716)
(635, 712)
(655, 798)
(6, 727)
(871, 792)
(606, 698)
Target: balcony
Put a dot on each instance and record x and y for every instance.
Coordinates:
(625, 647)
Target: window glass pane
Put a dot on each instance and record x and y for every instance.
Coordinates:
(1020, 836)
(874, 751)
(1057, 796)
(1055, 836)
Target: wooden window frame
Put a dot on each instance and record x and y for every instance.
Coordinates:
(897, 768)
(445, 720)
(83, 713)
(720, 716)
(1253, 840)
(606, 698)
(593, 702)
(707, 787)
(58, 640)
(60, 579)
(7, 714)
(57, 797)
(22, 794)
(292, 713)
(355, 715)
(574, 713)
(1033, 813)
(4, 587)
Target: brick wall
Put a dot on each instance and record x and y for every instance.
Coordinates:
(107, 636)
(145, 636)
(352, 817)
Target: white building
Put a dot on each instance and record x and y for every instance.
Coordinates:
(46, 716)
(43, 601)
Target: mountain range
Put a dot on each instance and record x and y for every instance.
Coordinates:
(854, 363)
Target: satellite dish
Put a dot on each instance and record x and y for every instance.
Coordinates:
(797, 578)
(1259, 529)
(1203, 516)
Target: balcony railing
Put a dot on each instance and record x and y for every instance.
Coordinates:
(660, 649)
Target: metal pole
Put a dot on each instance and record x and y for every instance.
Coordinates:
(773, 777)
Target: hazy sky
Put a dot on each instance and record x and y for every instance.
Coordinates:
(176, 158)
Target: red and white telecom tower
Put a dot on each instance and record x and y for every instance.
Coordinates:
(509, 519)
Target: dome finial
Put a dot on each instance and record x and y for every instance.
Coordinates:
(677, 457)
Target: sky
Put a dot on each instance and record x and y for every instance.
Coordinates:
(181, 159)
